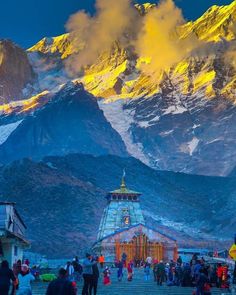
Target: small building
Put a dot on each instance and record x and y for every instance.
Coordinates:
(12, 234)
(123, 230)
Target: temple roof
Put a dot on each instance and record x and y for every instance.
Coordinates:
(123, 189)
(135, 226)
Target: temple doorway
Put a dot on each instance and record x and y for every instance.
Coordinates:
(139, 248)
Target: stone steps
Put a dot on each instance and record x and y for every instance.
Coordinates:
(138, 287)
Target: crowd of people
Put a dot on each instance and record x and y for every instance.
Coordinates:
(198, 274)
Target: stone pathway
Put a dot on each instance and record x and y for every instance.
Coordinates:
(137, 287)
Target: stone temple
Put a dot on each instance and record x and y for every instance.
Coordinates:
(122, 230)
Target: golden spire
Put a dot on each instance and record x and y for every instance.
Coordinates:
(123, 185)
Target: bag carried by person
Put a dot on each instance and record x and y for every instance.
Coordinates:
(207, 289)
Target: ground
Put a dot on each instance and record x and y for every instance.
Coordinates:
(138, 287)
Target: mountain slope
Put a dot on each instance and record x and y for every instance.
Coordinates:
(216, 24)
(16, 74)
(213, 30)
(69, 197)
(182, 119)
(70, 122)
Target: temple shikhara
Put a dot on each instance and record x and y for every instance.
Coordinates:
(123, 230)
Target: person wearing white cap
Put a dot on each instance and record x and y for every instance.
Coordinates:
(25, 278)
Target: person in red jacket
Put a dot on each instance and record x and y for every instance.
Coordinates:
(219, 273)
(130, 271)
(225, 284)
(101, 260)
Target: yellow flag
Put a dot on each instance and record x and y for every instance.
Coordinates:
(232, 251)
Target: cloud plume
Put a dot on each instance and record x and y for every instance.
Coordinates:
(153, 36)
(92, 36)
(158, 41)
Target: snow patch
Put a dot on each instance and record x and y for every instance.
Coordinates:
(192, 145)
(196, 126)
(143, 124)
(6, 130)
(166, 132)
(121, 120)
(176, 109)
(215, 140)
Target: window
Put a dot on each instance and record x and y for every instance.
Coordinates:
(15, 250)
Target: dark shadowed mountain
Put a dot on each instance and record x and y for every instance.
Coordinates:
(62, 200)
(71, 122)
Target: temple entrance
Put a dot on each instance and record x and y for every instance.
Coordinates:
(139, 248)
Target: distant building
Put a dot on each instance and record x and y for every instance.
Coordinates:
(123, 230)
(12, 233)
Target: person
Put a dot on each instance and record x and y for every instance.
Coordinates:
(78, 269)
(178, 275)
(234, 274)
(149, 260)
(187, 280)
(160, 273)
(225, 284)
(101, 260)
(179, 260)
(123, 259)
(147, 271)
(27, 262)
(69, 269)
(106, 279)
(196, 269)
(61, 286)
(170, 276)
(76, 259)
(6, 277)
(219, 272)
(94, 284)
(120, 271)
(17, 267)
(130, 271)
(202, 284)
(155, 270)
(87, 273)
(25, 278)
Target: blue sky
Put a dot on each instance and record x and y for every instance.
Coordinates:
(27, 21)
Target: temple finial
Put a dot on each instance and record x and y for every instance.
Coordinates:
(123, 185)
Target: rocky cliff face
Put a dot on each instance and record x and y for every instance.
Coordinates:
(16, 73)
(207, 72)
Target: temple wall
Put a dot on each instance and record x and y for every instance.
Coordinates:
(108, 246)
